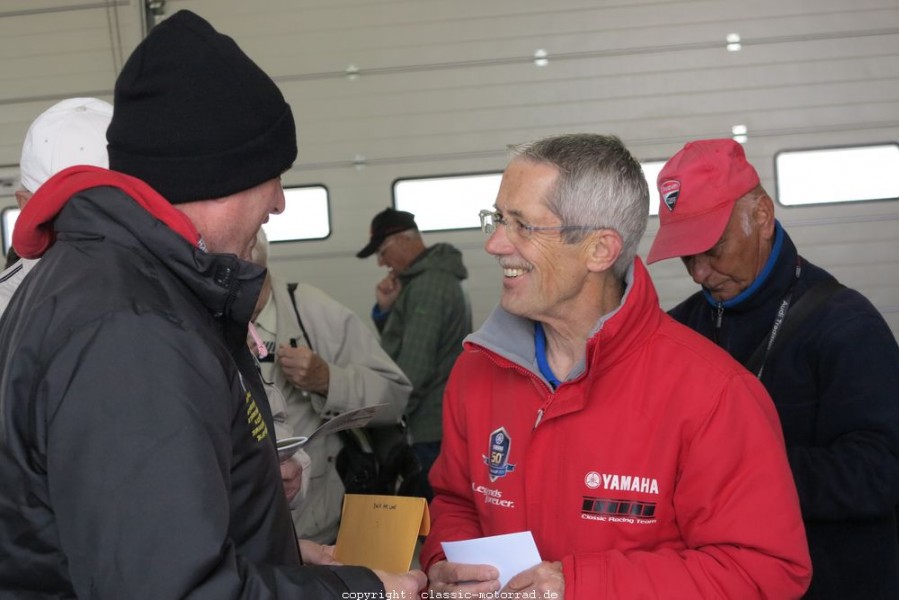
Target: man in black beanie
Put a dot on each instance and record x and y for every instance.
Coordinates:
(136, 453)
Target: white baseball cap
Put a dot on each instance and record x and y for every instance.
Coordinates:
(71, 132)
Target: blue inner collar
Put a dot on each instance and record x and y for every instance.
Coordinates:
(760, 280)
(540, 351)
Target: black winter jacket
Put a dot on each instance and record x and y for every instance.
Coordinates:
(835, 384)
(136, 444)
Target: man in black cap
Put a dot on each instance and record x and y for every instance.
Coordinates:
(423, 314)
(136, 454)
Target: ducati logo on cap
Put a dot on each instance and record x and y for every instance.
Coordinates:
(670, 190)
(498, 460)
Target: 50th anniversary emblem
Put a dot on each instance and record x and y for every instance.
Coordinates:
(497, 459)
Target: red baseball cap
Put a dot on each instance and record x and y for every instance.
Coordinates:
(698, 188)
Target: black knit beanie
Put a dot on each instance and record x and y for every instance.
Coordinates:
(195, 118)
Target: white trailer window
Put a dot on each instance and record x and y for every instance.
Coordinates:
(450, 202)
(453, 202)
(306, 216)
(827, 175)
(651, 170)
(8, 223)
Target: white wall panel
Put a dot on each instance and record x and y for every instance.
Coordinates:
(444, 87)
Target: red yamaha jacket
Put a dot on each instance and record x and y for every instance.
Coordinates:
(659, 471)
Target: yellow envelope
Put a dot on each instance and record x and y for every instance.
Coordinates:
(380, 532)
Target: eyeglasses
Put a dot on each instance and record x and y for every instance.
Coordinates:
(491, 219)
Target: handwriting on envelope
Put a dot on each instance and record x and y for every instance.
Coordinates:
(380, 532)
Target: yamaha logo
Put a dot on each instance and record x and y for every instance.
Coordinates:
(592, 480)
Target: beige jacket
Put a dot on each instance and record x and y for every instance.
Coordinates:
(360, 374)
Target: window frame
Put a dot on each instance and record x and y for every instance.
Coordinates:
(652, 192)
(328, 213)
(3, 231)
(462, 175)
(777, 178)
(653, 188)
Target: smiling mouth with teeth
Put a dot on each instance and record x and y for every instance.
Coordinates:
(510, 272)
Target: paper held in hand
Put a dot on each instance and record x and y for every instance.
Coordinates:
(510, 553)
(380, 532)
(350, 419)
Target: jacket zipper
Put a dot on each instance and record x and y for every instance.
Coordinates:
(542, 410)
(505, 363)
(719, 317)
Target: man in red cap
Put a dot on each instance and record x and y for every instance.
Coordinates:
(823, 352)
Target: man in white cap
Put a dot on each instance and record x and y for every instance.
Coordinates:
(69, 133)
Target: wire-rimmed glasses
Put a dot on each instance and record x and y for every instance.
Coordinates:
(491, 219)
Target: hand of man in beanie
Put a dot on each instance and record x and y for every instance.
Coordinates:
(314, 553)
(402, 585)
(291, 478)
(305, 369)
(387, 291)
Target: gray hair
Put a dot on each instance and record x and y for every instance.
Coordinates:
(600, 184)
(412, 234)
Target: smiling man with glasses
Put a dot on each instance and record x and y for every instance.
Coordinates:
(640, 457)
(491, 219)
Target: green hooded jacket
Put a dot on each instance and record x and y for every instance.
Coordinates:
(423, 332)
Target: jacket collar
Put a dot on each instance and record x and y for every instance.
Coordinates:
(615, 335)
(440, 256)
(772, 282)
(34, 231)
(96, 203)
(626, 328)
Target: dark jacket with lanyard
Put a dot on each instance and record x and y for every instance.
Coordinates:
(135, 453)
(834, 381)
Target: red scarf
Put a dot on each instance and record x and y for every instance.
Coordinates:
(34, 228)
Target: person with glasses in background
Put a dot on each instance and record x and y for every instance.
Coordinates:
(644, 460)
(423, 314)
(823, 352)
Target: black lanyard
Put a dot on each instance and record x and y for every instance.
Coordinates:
(781, 315)
(775, 327)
